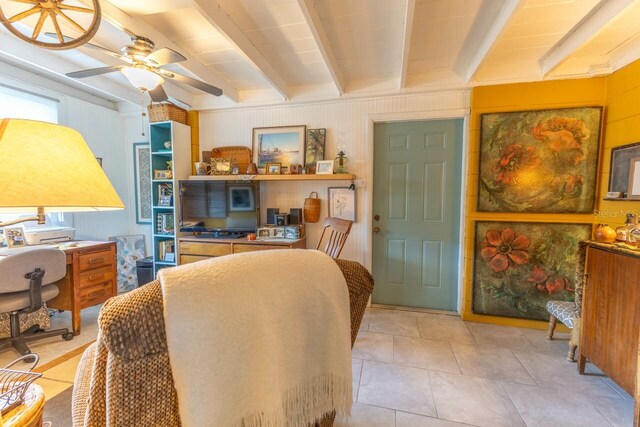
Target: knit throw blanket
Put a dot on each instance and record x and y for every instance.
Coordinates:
(258, 339)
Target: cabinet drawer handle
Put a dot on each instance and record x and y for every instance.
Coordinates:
(95, 260)
(93, 277)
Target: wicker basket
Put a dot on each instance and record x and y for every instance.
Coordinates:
(165, 112)
(240, 156)
(312, 208)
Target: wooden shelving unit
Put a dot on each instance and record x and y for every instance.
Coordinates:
(334, 177)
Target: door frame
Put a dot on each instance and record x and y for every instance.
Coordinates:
(455, 113)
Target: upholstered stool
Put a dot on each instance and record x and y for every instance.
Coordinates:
(569, 312)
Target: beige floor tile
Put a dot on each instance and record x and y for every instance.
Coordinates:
(444, 328)
(396, 387)
(545, 407)
(52, 388)
(394, 323)
(356, 371)
(591, 368)
(368, 416)
(427, 354)
(473, 400)
(558, 346)
(493, 363)
(364, 324)
(554, 372)
(373, 346)
(500, 336)
(404, 419)
(65, 371)
(618, 412)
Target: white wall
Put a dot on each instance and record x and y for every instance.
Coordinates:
(108, 135)
(351, 119)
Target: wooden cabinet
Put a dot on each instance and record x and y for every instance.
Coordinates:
(91, 279)
(610, 325)
(193, 249)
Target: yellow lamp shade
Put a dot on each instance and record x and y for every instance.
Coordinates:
(44, 165)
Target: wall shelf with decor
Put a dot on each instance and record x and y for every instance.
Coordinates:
(170, 162)
(334, 177)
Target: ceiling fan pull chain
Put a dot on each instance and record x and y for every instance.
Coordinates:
(143, 112)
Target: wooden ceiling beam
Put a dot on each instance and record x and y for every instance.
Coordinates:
(310, 13)
(507, 12)
(590, 26)
(122, 20)
(406, 45)
(222, 22)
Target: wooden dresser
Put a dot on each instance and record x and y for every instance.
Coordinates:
(91, 278)
(610, 325)
(192, 249)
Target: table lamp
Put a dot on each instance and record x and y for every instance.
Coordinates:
(44, 166)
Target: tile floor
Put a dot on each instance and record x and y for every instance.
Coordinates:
(413, 369)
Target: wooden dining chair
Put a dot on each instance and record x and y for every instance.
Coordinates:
(338, 232)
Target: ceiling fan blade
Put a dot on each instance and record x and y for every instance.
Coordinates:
(166, 56)
(158, 94)
(94, 47)
(93, 72)
(205, 87)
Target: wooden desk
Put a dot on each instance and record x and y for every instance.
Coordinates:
(192, 249)
(610, 325)
(91, 278)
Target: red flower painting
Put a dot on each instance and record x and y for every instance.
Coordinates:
(505, 248)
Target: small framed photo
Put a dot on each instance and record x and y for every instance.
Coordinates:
(235, 170)
(279, 232)
(162, 174)
(342, 203)
(264, 233)
(314, 146)
(165, 200)
(220, 166)
(324, 167)
(273, 168)
(633, 191)
(15, 237)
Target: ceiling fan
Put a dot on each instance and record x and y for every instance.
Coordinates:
(144, 68)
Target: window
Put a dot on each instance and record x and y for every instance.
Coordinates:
(20, 104)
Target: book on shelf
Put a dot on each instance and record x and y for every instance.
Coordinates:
(166, 250)
(164, 223)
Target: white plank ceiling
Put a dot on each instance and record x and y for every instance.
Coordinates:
(272, 51)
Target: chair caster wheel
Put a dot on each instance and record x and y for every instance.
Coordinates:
(28, 359)
(68, 337)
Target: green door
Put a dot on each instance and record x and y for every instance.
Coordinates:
(416, 213)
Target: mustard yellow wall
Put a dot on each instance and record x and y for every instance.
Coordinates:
(518, 97)
(193, 120)
(622, 127)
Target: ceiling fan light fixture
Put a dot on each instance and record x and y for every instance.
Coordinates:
(142, 77)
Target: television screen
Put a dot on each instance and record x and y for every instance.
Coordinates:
(219, 206)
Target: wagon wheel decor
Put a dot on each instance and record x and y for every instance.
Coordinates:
(27, 19)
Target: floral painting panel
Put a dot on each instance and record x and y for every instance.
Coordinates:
(129, 249)
(539, 161)
(519, 266)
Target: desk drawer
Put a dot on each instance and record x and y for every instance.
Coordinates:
(188, 259)
(96, 294)
(205, 249)
(95, 260)
(238, 248)
(96, 276)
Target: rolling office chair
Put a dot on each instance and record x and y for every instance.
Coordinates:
(26, 281)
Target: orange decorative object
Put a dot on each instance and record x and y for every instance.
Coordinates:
(251, 236)
(604, 234)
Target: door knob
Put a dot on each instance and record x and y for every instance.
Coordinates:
(376, 229)
(376, 217)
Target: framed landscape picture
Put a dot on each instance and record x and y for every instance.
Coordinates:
(519, 266)
(282, 144)
(539, 161)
